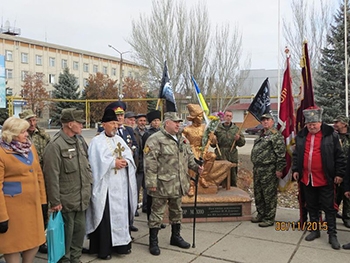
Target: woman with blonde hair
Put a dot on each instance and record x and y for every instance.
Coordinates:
(22, 194)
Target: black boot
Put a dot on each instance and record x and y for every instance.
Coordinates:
(43, 248)
(346, 246)
(153, 241)
(313, 235)
(333, 240)
(176, 239)
(332, 231)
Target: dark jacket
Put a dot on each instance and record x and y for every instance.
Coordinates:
(333, 158)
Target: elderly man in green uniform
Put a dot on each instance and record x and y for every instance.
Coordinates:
(340, 125)
(40, 139)
(229, 138)
(268, 158)
(167, 183)
(68, 180)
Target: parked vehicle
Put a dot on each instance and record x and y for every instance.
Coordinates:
(254, 130)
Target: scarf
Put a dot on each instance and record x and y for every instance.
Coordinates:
(22, 148)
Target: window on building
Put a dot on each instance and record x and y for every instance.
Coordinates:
(104, 70)
(75, 65)
(8, 55)
(8, 73)
(95, 69)
(38, 60)
(23, 75)
(52, 62)
(130, 74)
(86, 67)
(52, 78)
(24, 57)
(114, 72)
(64, 63)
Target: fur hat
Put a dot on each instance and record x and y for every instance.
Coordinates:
(152, 115)
(313, 114)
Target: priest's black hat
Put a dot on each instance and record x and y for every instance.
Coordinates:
(156, 114)
(109, 115)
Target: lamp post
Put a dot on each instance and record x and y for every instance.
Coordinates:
(120, 89)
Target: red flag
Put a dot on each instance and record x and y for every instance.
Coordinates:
(306, 95)
(286, 124)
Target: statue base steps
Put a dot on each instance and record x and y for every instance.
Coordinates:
(225, 206)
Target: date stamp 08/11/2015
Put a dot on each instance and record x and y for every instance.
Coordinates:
(300, 226)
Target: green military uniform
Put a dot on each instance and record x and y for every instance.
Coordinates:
(267, 156)
(225, 136)
(40, 139)
(166, 162)
(68, 182)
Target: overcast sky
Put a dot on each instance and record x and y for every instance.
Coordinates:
(92, 25)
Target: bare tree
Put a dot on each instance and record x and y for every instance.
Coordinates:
(308, 23)
(34, 91)
(184, 38)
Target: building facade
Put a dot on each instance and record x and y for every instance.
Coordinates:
(23, 56)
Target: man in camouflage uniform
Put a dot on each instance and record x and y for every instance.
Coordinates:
(228, 135)
(268, 158)
(37, 135)
(341, 126)
(40, 139)
(167, 183)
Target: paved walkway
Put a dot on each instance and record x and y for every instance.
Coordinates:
(234, 242)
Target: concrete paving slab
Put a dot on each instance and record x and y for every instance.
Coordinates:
(317, 255)
(245, 249)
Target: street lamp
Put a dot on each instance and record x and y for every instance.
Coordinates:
(120, 89)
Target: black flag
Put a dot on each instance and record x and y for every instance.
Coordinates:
(261, 103)
(166, 91)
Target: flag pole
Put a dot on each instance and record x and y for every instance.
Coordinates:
(239, 131)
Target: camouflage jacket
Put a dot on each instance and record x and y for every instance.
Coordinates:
(225, 136)
(269, 148)
(344, 139)
(40, 139)
(166, 164)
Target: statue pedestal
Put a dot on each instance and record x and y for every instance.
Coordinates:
(225, 206)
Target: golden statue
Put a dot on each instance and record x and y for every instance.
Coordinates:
(194, 133)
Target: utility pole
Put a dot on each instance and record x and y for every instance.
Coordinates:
(120, 88)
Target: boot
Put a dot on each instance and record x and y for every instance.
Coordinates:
(333, 240)
(313, 235)
(153, 241)
(176, 239)
(346, 246)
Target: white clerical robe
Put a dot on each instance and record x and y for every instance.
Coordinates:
(119, 184)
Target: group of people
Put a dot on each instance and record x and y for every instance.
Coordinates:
(97, 187)
(319, 164)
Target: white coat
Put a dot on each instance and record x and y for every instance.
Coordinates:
(120, 186)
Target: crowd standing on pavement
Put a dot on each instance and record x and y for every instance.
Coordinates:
(79, 178)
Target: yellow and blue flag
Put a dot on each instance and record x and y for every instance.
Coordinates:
(201, 100)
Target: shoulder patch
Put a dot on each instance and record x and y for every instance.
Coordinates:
(146, 150)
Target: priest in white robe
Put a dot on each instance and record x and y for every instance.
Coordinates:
(114, 191)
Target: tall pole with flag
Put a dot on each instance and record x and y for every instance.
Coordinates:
(286, 123)
(306, 95)
(166, 92)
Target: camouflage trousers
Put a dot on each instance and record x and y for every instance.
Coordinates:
(158, 208)
(265, 191)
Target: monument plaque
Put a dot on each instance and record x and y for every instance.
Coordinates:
(212, 211)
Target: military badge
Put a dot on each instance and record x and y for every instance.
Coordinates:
(146, 150)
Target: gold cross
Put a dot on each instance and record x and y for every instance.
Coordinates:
(118, 151)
